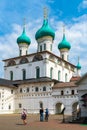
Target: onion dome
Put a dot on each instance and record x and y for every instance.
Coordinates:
(45, 30)
(64, 43)
(23, 38)
(78, 65)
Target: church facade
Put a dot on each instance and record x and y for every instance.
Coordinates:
(40, 79)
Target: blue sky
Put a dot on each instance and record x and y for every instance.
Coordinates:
(72, 13)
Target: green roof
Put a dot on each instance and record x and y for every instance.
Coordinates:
(45, 30)
(64, 43)
(78, 66)
(23, 38)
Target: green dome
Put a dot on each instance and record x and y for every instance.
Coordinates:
(78, 66)
(45, 30)
(64, 43)
(23, 38)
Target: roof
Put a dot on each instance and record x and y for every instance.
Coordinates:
(45, 30)
(64, 85)
(64, 43)
(43, 79)
(81, 79)
(41, 53)
(7, 83)
(78, 66)
(75, 78)
(23, 38)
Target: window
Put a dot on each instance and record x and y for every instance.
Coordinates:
(37, 57)
(44, 46)
(40, 48)
(37, 72)
(41, 104)
(24, 74)
(62, 93)
(24, 60)
(9, 107)
(51, 47)
(11, 63)
(20, 52)
(44, 88)
(62, 56)
(67, 57)
(51, 72)
(11, 75)
(26, 52)
(20, 105)
(66, 77)
(59, 75)
(36, 89)
(72, 92)
(20, 90)
(27, 89)
(11, 91)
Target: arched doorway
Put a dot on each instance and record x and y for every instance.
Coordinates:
(58, 108)
(75, 106)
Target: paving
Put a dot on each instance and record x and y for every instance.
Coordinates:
(14, 122)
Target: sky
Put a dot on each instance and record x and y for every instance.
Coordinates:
(71, 13)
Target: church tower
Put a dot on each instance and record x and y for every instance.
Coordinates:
(64, 47)
(23, 43)
(45, 35)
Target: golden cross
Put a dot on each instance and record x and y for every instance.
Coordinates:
(63, 29)
(45, 12)
(24, 22)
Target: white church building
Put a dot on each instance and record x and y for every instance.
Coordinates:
(40, 79)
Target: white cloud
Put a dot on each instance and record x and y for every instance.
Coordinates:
(82, 5)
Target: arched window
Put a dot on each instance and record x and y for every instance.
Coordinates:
(11, 75)
(44, 88)
(59, 75)
(27, 89)
(40, 47)
(24, 74)
(51, 47)
(44, 46)
(23, 60)
(36, 89)
(9, 107)
(51, 72)
(11, 63)
(62, 56)
(66, 77)
(72, 92)
(62, 93)
(37, 72)
(37, 57)
(20, 90)
(20, 52)
(20, 105)
(41, 104)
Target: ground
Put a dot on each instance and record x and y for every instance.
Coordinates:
(14, 122)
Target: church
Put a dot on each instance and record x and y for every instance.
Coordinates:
(41, 79)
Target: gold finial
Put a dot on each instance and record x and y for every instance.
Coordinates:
(78, 59)
(63, 29)
(45, 12)
(24, 22)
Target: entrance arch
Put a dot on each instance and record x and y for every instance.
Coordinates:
(75, 106)
(58, 108)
